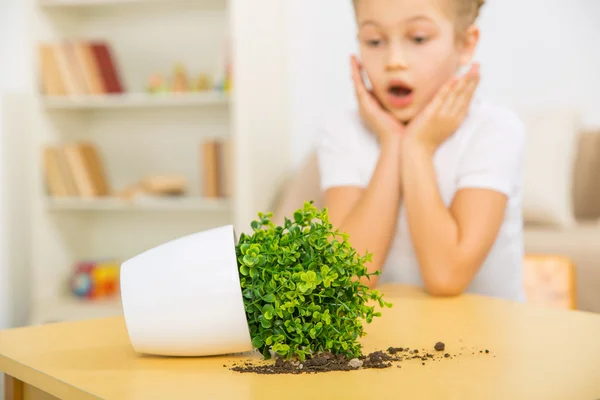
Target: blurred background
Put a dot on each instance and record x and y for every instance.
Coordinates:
(127, 123)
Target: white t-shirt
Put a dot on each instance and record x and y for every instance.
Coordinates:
(486, 152)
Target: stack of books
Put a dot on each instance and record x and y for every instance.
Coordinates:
(78, 68)
(75, 170)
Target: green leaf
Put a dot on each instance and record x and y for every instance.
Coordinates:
(267, 308)
(266, 353)
(244, 270)
(281, 349)
(244, 248)
(270, 298)
(255, 225)
(302, 287)
(249, 260)
(298, 217)
(257, 342)
(279, 338)
(265, 323)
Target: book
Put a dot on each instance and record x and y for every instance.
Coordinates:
(51, 80)
(216, 168)
(75, 170)
(210, 168)
(226, 168)
(78, 67)
(55, 181)
(107, 65)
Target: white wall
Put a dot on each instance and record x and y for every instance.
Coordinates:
(14, 225)
(321, 41)
(534, 54)
(539, 53)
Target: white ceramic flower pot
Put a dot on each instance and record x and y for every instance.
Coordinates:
(183, 298)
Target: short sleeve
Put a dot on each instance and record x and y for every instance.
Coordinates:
(339, 155)
(493, 157)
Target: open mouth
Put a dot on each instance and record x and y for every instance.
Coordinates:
(399, 89)
(399, 94)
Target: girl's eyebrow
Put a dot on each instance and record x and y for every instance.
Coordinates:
(418, 18)
(369, 22)
(411, 19)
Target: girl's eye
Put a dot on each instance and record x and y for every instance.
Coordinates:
(374, 42)
(419, 39)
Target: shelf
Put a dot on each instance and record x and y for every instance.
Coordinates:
(89, 3)
(136, 100)
(142, 204)
(71, 308)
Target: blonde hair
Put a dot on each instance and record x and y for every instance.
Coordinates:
(466, 12)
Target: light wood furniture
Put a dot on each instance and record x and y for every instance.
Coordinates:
(535, 353)
(550, 280)
(140, 134)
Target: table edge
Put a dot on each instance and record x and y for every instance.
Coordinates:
(42, 381)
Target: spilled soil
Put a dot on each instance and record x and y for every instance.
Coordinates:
(327, 362)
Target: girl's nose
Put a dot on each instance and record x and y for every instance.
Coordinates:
(396, 60)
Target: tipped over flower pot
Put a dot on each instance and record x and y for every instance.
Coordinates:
(183, 297)
(292, 290)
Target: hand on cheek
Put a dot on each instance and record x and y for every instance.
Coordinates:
(383, 124)
(442, 117)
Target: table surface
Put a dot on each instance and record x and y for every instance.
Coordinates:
(535, 353)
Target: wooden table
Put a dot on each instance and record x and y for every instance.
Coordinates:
(535, 353)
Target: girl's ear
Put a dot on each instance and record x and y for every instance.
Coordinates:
(468, 44)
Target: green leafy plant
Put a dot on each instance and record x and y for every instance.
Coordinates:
(301, 286)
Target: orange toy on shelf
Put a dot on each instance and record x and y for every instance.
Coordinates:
(95, 279)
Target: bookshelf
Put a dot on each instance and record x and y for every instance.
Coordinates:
(143, 204)
(136, 100)
(103, 3)
(139, 133)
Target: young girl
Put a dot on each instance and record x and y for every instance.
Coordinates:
(423, 175)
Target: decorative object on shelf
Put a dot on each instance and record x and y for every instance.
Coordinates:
(217, 168)
(156, 185)
(75, 170)
(95, 279)
(165, 185)
(203, 83)
(180, 80)
(274, 277)
(223, 78)
(77, 67)
(156, 84)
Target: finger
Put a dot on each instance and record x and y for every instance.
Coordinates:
(441, 97)
(460, 89)
(359, 84)
(462, 108)
(455, 95)
(464, 101)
